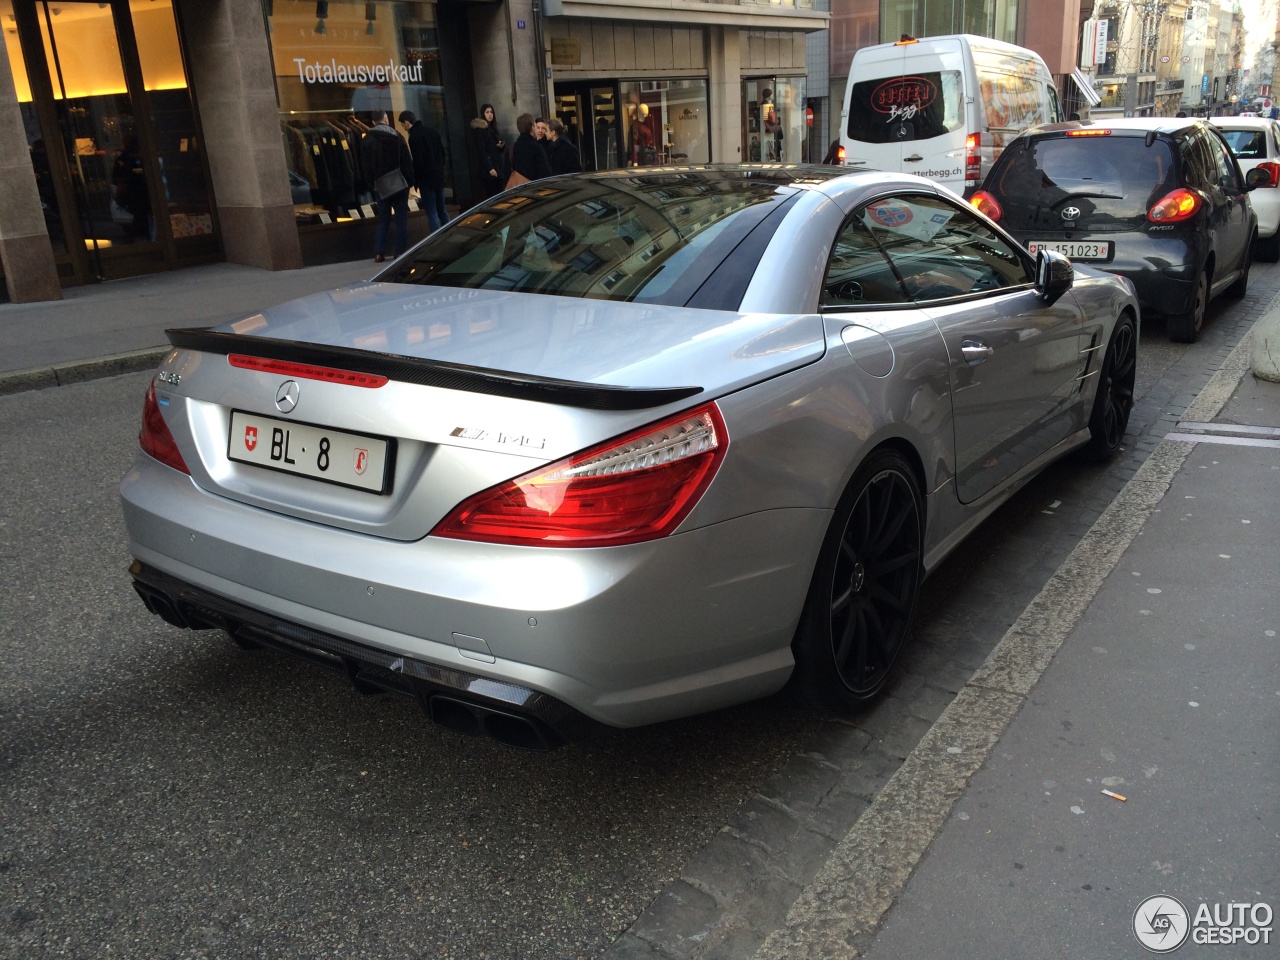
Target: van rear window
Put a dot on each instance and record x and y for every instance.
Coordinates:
(1246, 144)
(913, 107)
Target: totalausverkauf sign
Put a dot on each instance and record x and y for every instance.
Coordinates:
(335, 72)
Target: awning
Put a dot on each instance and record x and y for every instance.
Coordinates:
(1085, 86)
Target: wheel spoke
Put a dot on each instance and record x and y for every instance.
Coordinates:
(886, 566)
(884, 597)
(846, 637)
(839, 603)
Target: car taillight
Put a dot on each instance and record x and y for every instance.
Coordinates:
(636, 487)
(840, 155)
(986, 203)
(1273, 173)
(1089, 132)
(973, 157)
(1181, 204)
(155, 438)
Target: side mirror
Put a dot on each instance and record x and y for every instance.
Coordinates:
(1257, 177)
(1054, 275)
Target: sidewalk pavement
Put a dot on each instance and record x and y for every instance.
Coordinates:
(1149, 667)
(117, 327)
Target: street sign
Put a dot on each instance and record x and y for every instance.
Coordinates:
(1186, 59)
(1164, 59)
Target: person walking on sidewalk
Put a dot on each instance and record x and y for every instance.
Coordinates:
(427, 150)
(389, 166)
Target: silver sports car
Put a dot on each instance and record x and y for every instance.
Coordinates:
(624, 447)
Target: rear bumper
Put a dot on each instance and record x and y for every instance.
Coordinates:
(624, 635)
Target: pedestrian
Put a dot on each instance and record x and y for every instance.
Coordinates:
(490, 148)
(528, 159)
(427, 150)
(833, 157)
(562, 152)
(542, 133)
(772, 126)
(389, 167)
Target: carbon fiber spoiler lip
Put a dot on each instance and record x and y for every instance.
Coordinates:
(433, 373)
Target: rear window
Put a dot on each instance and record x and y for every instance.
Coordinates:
(1246, 144)
(649, 240)
(914, 107)
(1116, 175)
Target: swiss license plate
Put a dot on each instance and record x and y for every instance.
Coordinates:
(308, 450)
(1074, 249)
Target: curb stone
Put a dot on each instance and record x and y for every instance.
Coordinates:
(78, 371)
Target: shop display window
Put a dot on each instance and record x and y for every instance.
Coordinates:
(338, 63)
(665, 122)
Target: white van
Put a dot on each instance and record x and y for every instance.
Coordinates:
(942, 107)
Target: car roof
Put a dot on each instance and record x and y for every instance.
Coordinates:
(1242, 123)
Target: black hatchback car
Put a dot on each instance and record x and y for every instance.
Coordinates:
(1155, 199)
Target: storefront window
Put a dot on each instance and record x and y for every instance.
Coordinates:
(665, 121)
(337, 63)
(775, 127)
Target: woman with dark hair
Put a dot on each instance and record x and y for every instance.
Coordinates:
(490, 150)
(527, 156)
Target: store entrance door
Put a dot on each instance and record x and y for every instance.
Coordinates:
(114, 137)
(590, 112)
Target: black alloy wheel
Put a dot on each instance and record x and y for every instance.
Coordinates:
(1114, 400)
(1185, 327)
(860, 606)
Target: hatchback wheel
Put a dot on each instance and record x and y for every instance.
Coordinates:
(1114, 399)
(1185, 327)
(863, 596)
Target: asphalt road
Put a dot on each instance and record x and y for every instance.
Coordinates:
(164, 793)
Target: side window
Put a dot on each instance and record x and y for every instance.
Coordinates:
(941, 250)
(1201, 171)
(858, 273)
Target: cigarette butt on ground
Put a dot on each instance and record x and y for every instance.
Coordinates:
(1114, 795)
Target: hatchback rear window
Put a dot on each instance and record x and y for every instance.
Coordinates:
(1118, 175)
(915, 107)
(1246, 144)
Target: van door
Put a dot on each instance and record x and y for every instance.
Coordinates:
(905, 109)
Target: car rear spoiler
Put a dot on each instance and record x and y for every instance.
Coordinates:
(433, 373)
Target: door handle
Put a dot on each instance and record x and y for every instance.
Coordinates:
(914, 158)
(975, 351)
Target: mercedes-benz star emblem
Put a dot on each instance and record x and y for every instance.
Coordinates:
(287, 396)
(1071, 213)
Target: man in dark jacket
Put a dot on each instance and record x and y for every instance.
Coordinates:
(527, 156)
(383, 153)
(562, 153)
(428, 167)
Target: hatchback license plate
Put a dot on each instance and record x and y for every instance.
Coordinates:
(1074, 249)
(309, 450)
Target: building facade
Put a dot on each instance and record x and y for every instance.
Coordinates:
(142, 135)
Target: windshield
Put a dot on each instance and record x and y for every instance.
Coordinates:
(645, 239)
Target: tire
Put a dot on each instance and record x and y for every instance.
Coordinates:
(1185, 327)
(862, 599)
(1268, 250)
(1238, 289)
(1114, 400)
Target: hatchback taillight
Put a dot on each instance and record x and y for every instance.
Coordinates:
(636, 487)
(1179, 205)
(973, 157)
(1273, 173)
(986, 203)
(154, 437)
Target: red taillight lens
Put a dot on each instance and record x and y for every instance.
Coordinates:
(986, 203)
(1181, 204)
(1273, 172)
(306, 371)
(636, 487)
(840, 154)
(155, 438)
(973, 157)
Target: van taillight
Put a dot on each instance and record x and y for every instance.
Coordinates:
(973, 157)
(1174, 207)
(1273, 173)
(985, 203)
(840, 155)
